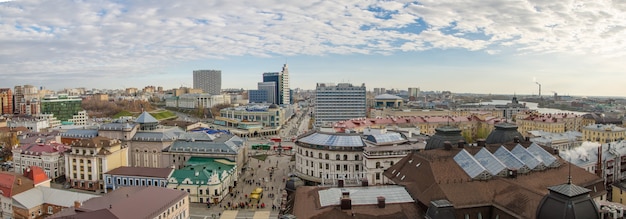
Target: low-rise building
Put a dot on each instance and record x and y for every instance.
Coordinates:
(42, 201)
(550, 122)
(201, 144)
(89, 159)
(155, 202)
(11, 184)
(50, 156)
(603, 133)
(206, 180)
(136, 176)
(561, 141)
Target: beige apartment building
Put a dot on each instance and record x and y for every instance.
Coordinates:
(89, 159)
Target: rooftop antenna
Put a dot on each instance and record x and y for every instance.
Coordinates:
(569, 174)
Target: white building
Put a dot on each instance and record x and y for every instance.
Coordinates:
(194, 101)
(47, 155)
(561, 141)
(33, 124)
(285, 97)
(334, 103)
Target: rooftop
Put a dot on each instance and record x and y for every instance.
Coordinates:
(142, 171)
(145, 117)
(332, 139)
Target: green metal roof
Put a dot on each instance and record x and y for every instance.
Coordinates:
(205, 168)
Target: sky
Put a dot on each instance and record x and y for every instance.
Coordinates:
(570, 47)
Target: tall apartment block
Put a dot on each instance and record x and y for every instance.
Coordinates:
(6, 101)
(281, 91)
(339, 102)
(210, 81)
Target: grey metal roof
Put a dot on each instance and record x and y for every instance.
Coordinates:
(542, 155)
(509, 160)
(387, 97)
(116, 126)
(470, 165)
(145, 117)
(503, 133)
(337, 140)
(159, 134)
(223, 144)
(197, 136)
(365, 195)
(80, 133)
(490, 162)
(443, 134)
(389, 137)
(569, 190)
(40, 195)
(530, 160)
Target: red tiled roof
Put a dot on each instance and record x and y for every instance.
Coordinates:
(12, 184)
(38, 148)
(36, 174)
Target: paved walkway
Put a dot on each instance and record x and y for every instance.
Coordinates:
(256, 175)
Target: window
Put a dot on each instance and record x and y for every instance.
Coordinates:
(307, 153)
(326, 166)
(337, 157)
(327, 157)
(345, 157)
(356, 168)
(50, 210)
(377, 176)
(320, 155)
(377, 165)
(356, 157)
(338, 167)
(345, 167)
(200, 191)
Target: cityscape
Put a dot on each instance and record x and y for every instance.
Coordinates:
(323, 109)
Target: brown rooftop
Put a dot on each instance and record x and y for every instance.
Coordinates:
(142, 171)
(95, 142)
(123, 202)
(434, 175)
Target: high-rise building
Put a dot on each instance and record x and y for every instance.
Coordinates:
(273, 77)
(285, 97)
(210, 81)
(270, 88)
(281, 91)
(18, 99)
(414, 92)
(63, 107)
(6, 101)
(339, 102)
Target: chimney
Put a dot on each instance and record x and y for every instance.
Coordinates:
(447, 145)
(346, 202)
(381, 201)
(516, 139)
(512, 173)
(481, 142)
(599, 163)
(461, 144)
(340, 183)
(77, 204)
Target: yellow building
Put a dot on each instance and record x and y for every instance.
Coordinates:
(555, 123)
(619, 193)
(603, 133)
(89, 159)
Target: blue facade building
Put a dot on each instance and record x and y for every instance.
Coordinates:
(136, 176)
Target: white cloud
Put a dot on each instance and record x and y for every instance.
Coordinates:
(42, 37)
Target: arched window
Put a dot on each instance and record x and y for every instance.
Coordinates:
(391, 164)
(307, 153)
(345, 157)
(356, 157)
(320, 155)
(337, 157)
(377, 164)
(327, 157)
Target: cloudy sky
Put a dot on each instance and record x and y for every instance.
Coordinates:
(488, 46)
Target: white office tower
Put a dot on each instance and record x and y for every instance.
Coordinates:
(210, 81)
(339, 102)
(285, 97)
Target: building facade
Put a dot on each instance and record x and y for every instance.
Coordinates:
(257, 96)
(210, 81)
(270, 88)
(63, 107)
(194, 101)
(339, 102)
(89, 159)
(50, 156)
(6, 101)
(206, 180)
(603, 133)
(326, 158)
(136, 176)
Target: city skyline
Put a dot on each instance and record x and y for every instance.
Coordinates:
(570, 47)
